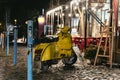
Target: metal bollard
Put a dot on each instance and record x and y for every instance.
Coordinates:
(29, 47)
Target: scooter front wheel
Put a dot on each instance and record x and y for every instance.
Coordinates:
(70, 60)
(44, 66)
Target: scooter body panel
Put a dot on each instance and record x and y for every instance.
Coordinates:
(56, 50)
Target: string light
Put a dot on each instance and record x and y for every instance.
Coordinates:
(77, 15)
(83, 8)
(63, 14)
(66, 7)
(55, 9)
(69, 15)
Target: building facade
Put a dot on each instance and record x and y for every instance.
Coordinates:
(87, 18)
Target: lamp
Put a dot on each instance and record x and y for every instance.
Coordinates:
(15, 21)
(41, 19)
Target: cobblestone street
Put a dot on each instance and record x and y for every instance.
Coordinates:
(8, 71)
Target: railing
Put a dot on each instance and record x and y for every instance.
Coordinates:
(95, 17)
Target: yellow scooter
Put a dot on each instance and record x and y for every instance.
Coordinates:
(52, 49)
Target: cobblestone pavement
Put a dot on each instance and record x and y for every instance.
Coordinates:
(8, 71)
(1, 69)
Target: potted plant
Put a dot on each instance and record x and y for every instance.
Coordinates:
(91, 51)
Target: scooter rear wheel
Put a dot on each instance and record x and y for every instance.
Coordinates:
(70, 60)
(44, 66)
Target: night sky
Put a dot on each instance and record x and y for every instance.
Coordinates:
(29, 8)
(23, 9)
(30, 4)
